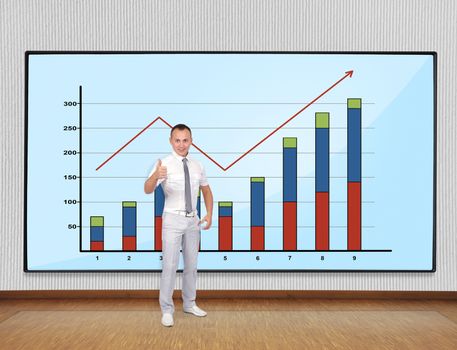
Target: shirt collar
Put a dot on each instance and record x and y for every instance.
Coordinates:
(180, 158)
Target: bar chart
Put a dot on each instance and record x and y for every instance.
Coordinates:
(257, 198)
(304, 154)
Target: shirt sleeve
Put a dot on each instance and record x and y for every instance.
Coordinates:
(203, 179)
(152, 172)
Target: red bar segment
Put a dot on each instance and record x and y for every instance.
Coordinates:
(322, 221)
(354, 215)
(97, 246)
(290, 225)
(129, 243)
(158, 233)
(257, 238)
(225, 232)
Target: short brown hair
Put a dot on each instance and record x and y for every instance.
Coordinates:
(180, 127)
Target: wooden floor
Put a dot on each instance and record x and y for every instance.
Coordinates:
(230, 324)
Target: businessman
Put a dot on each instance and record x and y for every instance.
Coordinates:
(181, 178)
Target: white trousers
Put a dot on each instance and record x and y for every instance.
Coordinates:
(179, 231)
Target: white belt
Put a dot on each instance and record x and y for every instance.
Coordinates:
(183, 213)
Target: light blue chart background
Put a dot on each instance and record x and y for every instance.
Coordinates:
(231, 101)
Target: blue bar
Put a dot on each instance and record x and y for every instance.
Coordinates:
(199, 204)
(97, 233)
(159, 201)
(354, 144)
(290, 174)
(257, 203)
(225, 211)
(129, 221)
(322, 160)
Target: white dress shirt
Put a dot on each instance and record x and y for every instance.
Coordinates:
(173, 184)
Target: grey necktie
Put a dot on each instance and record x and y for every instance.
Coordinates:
(187, 187)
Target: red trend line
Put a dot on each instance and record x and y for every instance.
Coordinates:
(347, 74)
(131, 140)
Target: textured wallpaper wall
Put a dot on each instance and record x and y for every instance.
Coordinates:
(320, 25)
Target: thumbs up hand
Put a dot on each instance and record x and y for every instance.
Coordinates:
(161, 171)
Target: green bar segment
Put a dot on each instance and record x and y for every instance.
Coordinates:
(322, 120)
(97, 221)
(129, 204)
(289, 142)
(226, 204)
(257, 179)
(355, 103)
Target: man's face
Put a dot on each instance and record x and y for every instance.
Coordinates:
(181, 140)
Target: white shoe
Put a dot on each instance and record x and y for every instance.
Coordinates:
(167, 320)
(195, 310)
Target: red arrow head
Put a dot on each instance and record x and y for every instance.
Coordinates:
(349, 72)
